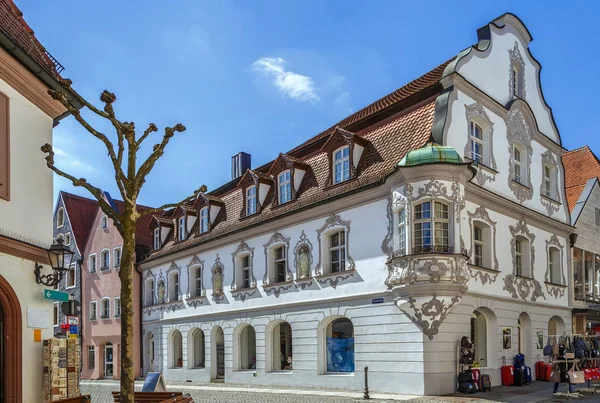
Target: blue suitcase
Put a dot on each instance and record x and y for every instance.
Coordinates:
(527, 375)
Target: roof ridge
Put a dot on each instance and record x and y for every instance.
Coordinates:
(577, 149)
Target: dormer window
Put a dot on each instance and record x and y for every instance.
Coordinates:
(181, 228)
(157, 238)
(285, 187)
(341, 165)
(60, 217)
(204, 220)
(344, 150)
(251, 200)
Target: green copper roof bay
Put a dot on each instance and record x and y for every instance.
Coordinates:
(431, 153)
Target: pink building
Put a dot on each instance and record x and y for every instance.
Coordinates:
(101, 303)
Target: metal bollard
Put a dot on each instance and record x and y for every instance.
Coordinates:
(366, 392)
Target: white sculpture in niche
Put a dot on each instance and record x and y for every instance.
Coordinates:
(303, 262)
(161, 292)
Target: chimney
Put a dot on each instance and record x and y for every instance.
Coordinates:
(239, 164)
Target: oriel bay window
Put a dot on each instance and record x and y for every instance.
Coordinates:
(586, 271)
(402, 231)
(431, 228)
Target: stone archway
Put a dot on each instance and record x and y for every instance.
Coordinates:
(11, 382)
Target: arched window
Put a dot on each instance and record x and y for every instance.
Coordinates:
(245, 348)
(484, 336)
(105, 308)
(341, 165)
(431, 229)
(482, 245)
(285, 187)
(339, 343)
(522, 265)
(60, 217)
(556, 326)
(196, 351)
(554, 266)
(279, 343)
(176, 350)
(105, 260)
(149, 292)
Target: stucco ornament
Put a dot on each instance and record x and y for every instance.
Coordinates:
(333, 281)
(476, 113)
(242, 249)
(516, 60)
(556, 290)
(518, 133)
(277, 239)
(333, 222)
(428, 313)
(192, 266)
(523, 287)
(303, 257)
(433, 188)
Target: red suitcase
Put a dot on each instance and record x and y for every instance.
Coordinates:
(476, 375)
(548, 371)
(540, 371)
(508, 373)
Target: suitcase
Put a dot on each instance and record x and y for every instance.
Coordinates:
(519, 377)
(540, 371)
(485, 383)
(527, 373)
(465, 376)
(548, 371)
(467, 387)
(507, 372)
(476, 375)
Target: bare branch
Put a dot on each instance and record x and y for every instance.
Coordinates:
(151, 129)
(164, 207)
(158, 151)
(82, 182)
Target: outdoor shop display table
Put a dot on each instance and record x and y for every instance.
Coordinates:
(152, 397)
(76, 399)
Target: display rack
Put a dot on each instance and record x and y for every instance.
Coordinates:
(61, 368)
(461, 367)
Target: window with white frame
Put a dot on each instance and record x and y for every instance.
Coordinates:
(104, 222)
(341, 165)
(156, 238)
(92, 263)
(93, 310)
(285, 187)
(522, 266)
(60, 217)
(104, 308)
(174, 286)
(519, 165)
(149, 292)
(117, 307)
(246, 274)
(402, 231)
(55, 314)
(482, 245)
(548, 182)
(204, 220)
(519, 257)
(431, 229)
(478, 245)
(279, 264)
(517, 80)
(117, 256)
(71, 276)
(337, 251)
(197, 282)
(104, 260)
(251, 200)
(477, 143)
(68, 238)
(181, 227)
(554, 265)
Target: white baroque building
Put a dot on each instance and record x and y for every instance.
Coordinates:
(436, 212)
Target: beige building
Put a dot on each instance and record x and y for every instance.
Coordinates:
(27, 116)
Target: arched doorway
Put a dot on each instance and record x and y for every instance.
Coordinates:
(525, 338)
(217, 354)
(150, 352)
(483, 335)
(10, 345)
(279, 346)
(335, 345)
(556, 326)
(244, 348)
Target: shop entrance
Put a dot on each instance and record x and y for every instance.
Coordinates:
(217, 354)
(108, 360)
(11, 361)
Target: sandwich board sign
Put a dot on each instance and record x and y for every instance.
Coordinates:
(154, 383)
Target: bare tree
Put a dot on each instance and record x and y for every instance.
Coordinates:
(129, 179)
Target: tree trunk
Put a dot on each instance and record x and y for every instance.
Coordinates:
(127, 312)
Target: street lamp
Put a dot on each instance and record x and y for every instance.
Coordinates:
(60, 259)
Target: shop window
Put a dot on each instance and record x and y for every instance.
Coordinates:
(340, 346)
(281, 347)
(176, 350)
(196, 352)
(245, 348)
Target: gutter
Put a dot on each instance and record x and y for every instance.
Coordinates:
(48, 79)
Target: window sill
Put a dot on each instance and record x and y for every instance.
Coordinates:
(282, 372)
(520, 184)
(472, 266)
(195, 298)
(197, 369)
(303, 280)
(344, 374)
(550, 199)
(555, 284)
(272, 285)
(105, 270)
(249, 371)
(246, 216)
(105, 318)
(238, 290)
(70, 287)
(93, 319)
(523, 277)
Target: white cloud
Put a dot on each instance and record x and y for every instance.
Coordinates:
(293, 85)
(73, 164)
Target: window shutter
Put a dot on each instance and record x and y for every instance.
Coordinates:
(4, 148)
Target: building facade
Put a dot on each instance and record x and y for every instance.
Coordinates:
(27, 116)
(582, 170)
(101, 306)
(438, 211)
(74, 233)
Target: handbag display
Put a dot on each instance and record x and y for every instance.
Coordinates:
(555, 375)
(576, 376)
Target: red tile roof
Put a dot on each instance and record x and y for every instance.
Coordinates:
(15, 27)
(580, 165)
(81, 212)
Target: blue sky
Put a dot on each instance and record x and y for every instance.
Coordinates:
(263, 76)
